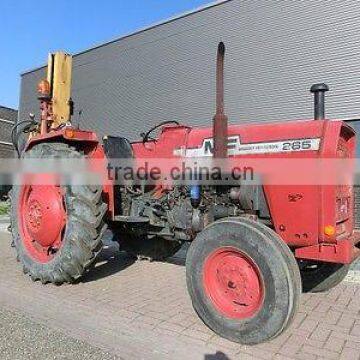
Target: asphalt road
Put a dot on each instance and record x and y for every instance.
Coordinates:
(22, 338)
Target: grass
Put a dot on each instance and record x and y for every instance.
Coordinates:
(4, 208)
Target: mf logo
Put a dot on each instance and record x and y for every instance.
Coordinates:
(232, 144)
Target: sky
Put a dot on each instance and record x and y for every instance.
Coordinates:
(31, 29)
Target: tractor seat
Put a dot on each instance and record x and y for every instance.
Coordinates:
(117, 147)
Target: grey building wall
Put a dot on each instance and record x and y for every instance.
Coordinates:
(7, 119)
(275, 51)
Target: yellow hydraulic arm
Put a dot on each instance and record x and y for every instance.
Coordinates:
(55, 92)
(59, 78)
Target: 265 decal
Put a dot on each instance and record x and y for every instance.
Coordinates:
(236, 148)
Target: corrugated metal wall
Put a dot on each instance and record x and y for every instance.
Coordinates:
(6, 152)
(275, 51)
(7, 119)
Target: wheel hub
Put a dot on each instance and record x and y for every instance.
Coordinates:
(233, 283)
(35, 215)
(43, 217)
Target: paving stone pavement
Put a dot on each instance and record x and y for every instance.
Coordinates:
(141, 310)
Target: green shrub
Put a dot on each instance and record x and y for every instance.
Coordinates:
(4, 208)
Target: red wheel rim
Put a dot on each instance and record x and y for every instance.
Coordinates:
(42, 220)
(233, 283)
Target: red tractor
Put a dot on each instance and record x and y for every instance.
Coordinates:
(253, 249)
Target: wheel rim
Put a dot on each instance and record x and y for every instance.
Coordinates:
(42, 220)
(233, 283)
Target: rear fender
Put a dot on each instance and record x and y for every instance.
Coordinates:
(88, 143)
(85, 140)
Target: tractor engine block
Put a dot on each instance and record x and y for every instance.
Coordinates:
(174, 214)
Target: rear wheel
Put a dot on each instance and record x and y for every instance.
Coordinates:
(244, 282)
(56, 230)
(321, 276)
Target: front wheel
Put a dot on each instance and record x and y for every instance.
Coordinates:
(244, 282)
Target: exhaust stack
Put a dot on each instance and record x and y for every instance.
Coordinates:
(220, 121)
(319, 91)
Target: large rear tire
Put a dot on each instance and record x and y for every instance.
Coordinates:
(243, 280)
(321, 276)
(56, 230)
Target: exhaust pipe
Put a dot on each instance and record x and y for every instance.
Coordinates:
(319, 91)
(220, 120)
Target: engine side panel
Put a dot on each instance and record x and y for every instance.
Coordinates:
(298, 212)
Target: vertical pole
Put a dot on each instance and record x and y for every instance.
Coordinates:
(220, 121)
(319, 91)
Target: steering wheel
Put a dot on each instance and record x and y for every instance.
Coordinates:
(146, 136)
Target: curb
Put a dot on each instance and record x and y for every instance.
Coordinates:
(4, 219)
(4, 228)
(4, 224)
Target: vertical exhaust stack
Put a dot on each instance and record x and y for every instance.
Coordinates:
(319, 91)
(220, 121)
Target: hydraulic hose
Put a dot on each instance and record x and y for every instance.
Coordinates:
(15, 134)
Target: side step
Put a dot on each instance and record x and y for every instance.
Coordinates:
(132, 219)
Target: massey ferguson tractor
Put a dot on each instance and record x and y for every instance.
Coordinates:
(253, 248)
